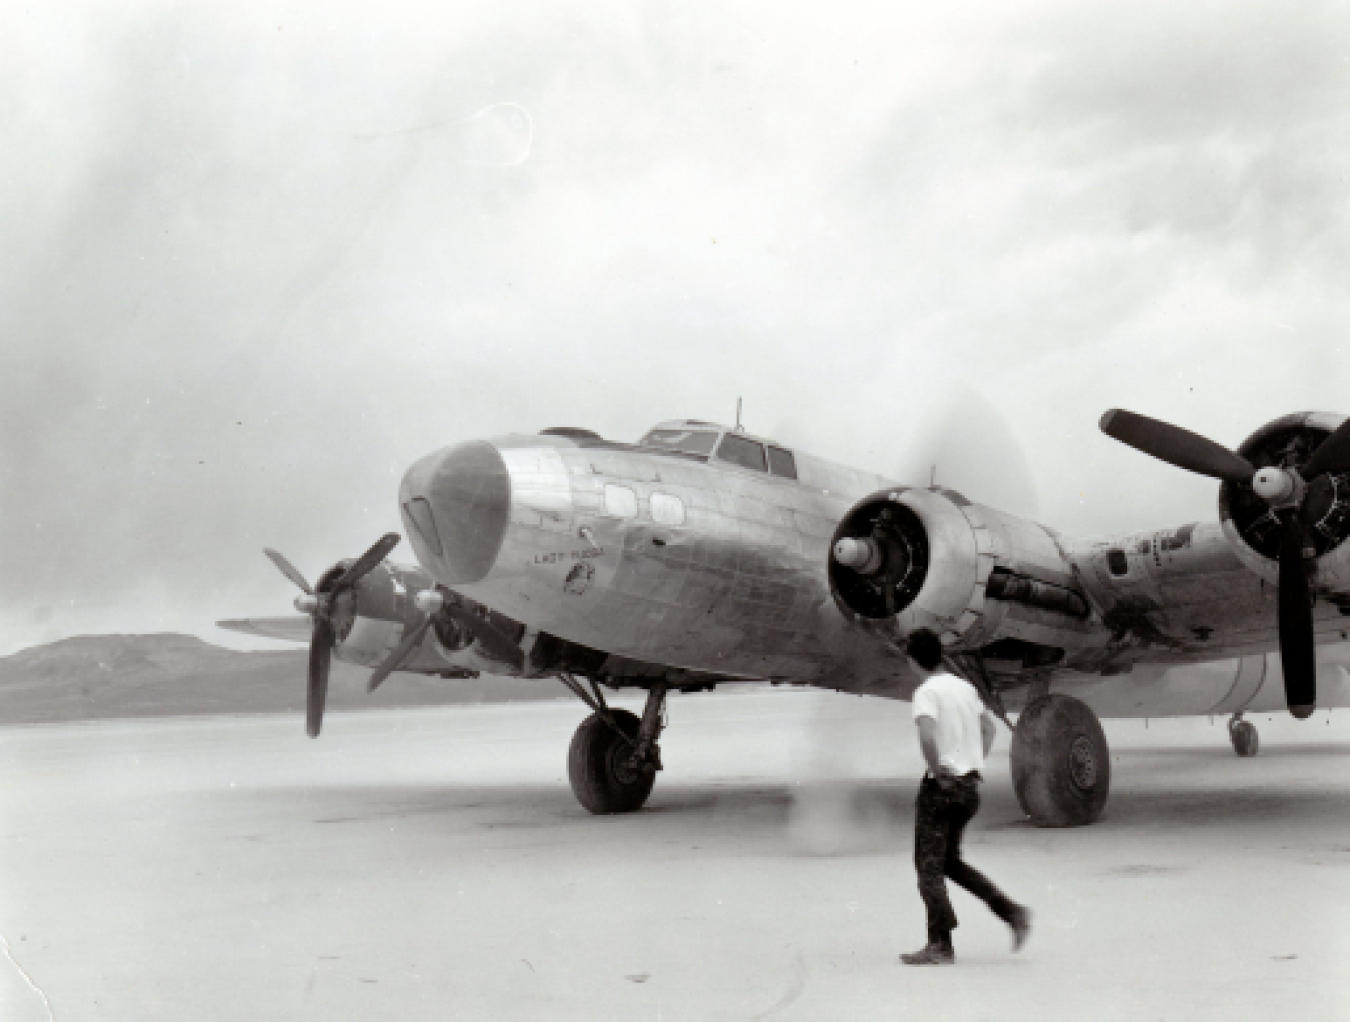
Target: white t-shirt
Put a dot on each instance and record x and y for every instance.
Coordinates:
(955, 706)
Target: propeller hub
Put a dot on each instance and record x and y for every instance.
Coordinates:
(862, 555)
(1273, 484)
(429, 601)
(307, 603)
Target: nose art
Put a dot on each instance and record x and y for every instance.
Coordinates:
(456, 504)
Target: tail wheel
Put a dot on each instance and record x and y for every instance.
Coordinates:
(1246, 741)
(600, 765)
(1061, 765)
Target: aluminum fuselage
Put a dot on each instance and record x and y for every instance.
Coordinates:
(736, 584)
(738, 587)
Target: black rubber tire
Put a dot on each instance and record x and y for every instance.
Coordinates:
(599, 780)
(1061, 765)
(1246, 739)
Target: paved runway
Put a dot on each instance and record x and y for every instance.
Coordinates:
(432, 864)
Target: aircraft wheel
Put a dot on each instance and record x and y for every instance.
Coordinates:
(1246, 740)
(1061, 766)
(599, 766)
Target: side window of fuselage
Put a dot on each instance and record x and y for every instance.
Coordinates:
(666, 509)
(620, 501)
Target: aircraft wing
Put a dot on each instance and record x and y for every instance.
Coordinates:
(292, 628)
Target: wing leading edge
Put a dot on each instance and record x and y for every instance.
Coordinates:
(294, 628)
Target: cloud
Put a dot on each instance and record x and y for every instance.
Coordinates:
(241, 293)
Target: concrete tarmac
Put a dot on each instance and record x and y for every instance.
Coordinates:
(433, 864)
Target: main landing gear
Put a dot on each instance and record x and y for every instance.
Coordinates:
(1061, 766)
(614, 757)
(1244, 736)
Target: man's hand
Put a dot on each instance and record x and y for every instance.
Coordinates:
(928, 743)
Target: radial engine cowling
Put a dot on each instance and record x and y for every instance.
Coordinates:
(904, 559)
(1251, 522)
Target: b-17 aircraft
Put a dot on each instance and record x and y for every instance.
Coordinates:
(704, 555)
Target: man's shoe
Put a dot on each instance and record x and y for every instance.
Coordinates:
(931, 954)
(1021, 926)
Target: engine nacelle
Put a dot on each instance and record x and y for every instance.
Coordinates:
(905, 559)
(1252, 526)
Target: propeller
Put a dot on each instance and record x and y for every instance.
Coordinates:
(1177, 446)
(963, 441)
(289, 570)
(436, 604)
(495, 641)
(323, 606)
(1294, 495)
(430, 604)
(395, 659)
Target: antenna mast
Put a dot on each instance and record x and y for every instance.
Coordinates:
(738, 413)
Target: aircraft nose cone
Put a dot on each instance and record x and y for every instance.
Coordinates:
(456, 504)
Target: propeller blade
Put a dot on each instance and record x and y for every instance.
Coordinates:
(1332, 455)
(368, 560)
(396, 658)
(320, 657)
(1297, 655)
(288, 569)
(1177, 446)
(495, 641)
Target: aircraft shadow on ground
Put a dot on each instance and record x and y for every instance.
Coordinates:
(735, 818)
(1261, 808)
(1222, 750)
(844, 817)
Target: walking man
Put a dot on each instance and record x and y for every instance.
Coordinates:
(956, 732)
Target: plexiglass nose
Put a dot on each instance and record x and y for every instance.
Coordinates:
(455, 505)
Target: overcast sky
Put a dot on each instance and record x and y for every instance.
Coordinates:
(257, 258)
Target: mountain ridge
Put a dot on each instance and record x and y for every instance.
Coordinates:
(100, 677)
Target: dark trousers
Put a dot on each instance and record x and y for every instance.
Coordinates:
(942, 812)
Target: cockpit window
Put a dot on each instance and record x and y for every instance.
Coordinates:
(690, 441)
(740, 451)
(782, 463)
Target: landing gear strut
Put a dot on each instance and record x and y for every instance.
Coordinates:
(614, 757)
(1244, 736)
(1061, 765)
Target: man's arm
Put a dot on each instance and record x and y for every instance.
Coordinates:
(988, 729)
(928, 743)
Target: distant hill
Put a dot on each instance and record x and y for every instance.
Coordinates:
(98, 677)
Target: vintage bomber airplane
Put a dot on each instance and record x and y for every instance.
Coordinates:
(702, 554)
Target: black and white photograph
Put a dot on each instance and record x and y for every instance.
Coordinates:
(674, 511)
